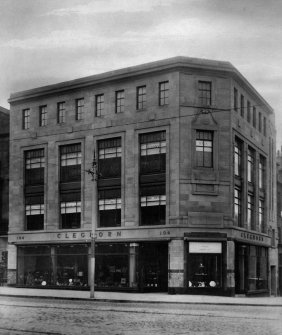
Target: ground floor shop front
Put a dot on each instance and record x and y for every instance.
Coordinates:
(193, 263)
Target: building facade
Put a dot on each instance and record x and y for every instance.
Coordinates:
(186, 188)
(279, 217)
(4, 192)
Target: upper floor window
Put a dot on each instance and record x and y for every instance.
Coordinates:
(261, 215)
(141, 97)
(204, 148)
(110, 207)
(248, 111)
(250, 212)
(70, 208)
(61, 112)
(153, 152)
(238, 206)
(99, 104)
(26, 118)
(262, 166)
(264, 126)
(79, 109)
(34, 212)
(259, 122)
(163, 93)
(242, 105)
(42, 116)
(70, 162)
(254, 117)
(237, 157)
(34, 167)
(120, 101)
(251, 165)
(109, 153)
(235, 97)
(205, 93)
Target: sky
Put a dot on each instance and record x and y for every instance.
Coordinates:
(44, 42)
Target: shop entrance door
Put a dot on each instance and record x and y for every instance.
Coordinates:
(153, 267)
(241, 269)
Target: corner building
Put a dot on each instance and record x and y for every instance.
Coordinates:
(186, 190)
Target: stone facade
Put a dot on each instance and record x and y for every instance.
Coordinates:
(199, 200)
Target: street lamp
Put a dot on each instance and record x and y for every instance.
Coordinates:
(94, 174)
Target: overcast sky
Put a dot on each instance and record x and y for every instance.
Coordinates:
(47, 41)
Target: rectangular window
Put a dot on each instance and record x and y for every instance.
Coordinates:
(26, 118)
(61, 112)
(79, 109)
(70, 210)
(251, 165)
(99, 105)
(264, 126)
(238, 157)
(109, 155)
(260, 122)
(261, 215)
(204, 148)
(238, 207)
(152, 204)
(110, 208)
(153, 152)
(120, 101)
(235, 102)
(141, 97)
(163, 93)
(249, 111)
(43, 116)
(34, 167)
(242, 105)
(254, 117)
(250, 213)
(205, 93)
(70, 162)
(34, 211)
(262, 166)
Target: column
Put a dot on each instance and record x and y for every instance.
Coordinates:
(133, 252)
(176, 266)
(230, 280)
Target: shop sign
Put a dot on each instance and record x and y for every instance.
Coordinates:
(252, 238)
(205, 248)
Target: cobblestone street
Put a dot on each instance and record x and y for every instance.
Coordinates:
(52, 316)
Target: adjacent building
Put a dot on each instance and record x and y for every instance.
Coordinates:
(4, 192)
(279, 216)
(187, 182)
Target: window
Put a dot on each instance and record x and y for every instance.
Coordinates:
(110, 207)
(235, 102)
(264, 126)
(70, 163)
(238, 157)
(259, 122)
(34, 167)
(61, 112)
(26, 118)
(262, 166)
(249, 111)
(204, 148)
(163, 93)
(34, 211)
(251, 165)
(238, 207)
(242, 105)
(152, 204)
(110, 157)
(261, 215)
(79, 109)
(254, 117)
(153, 152)
(70, 210)
(120, 101)
(99, 105)
(205, 98)
(141, 97)
(42, 116)
(250, 212)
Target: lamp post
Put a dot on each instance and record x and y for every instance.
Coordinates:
(94, 174)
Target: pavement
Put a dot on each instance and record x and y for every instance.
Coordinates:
(140, 297)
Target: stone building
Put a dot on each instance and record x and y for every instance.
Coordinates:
(4, 191)
(187, 184)
(279, 215)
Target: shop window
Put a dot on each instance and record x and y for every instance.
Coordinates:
(70, 210)
(120, 101)
(204, 148)
(79, 109)
(238, 157)
(153, 204)
(238, 206)
(153, 153)
(205, 93)
(110, 158)
(110, 208)
(34, 167)
(163, 93)
(141, 97)
(204, 265)
(34, 212)
(70, 163)
(99, 104)
(112, 266)
(257, 268)
(251, 165)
